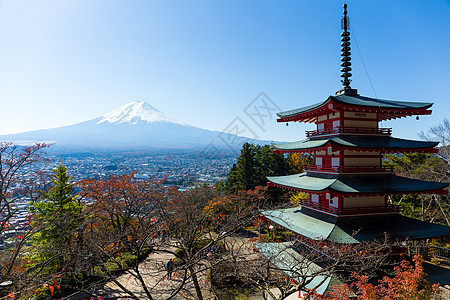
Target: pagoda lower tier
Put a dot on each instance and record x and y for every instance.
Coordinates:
(352, 230)
(356, 194)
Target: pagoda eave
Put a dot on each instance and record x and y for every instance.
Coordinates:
(352, 185)
(359, 143)
(353, 229)
(332, 104)
(360, 149)
(333, 192)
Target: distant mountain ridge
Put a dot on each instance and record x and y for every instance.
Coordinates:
(136, 126)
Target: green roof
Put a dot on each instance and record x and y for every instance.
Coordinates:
(285, 257)
(370, 142)
(359, 101)
(436, 274)
(308, 225)
(356, 184)
(318, 226)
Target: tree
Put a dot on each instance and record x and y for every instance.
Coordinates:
(15, 174)
(133, 218)
(13, 160)
(253, 165)
(423, 166)
(298, 162)
(285, 269)
(56, 218)
(57, 223)
(440, 133)
(124, 222)
(406, 283)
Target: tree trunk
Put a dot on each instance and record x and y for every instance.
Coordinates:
(196, 285)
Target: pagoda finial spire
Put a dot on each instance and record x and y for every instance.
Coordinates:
(345, 57)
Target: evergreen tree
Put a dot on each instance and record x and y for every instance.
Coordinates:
(253, 165)
(56, 219)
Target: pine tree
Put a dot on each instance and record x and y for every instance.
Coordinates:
(253, 165)
(56, 219)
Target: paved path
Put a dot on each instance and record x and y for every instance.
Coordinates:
(155, 276)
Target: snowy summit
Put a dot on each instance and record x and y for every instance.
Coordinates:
(135, 113)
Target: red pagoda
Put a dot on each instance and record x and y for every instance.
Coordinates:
(347, 184)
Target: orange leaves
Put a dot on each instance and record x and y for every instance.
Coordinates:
(407, 283)
(51, 288)
(56, 284)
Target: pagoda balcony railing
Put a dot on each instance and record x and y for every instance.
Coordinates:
(349, 169)
(351, 130)
(351, 210)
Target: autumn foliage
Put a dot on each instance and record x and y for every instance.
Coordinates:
(407, 283)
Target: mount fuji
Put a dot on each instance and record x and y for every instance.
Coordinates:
(137, 126)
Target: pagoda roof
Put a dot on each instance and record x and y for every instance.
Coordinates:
(390, 109)
(365, 143)
(318, 226)
(368, 184)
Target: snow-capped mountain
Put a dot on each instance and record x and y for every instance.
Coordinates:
(136, 113)
(137, 126)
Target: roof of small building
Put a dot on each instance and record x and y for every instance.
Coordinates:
(388, 143)
(361, 101)
(285, 257)
(318, 226)
(356, 184)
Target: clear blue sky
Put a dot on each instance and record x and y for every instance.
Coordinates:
(203, 62)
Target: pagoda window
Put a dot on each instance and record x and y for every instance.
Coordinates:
(336, 124)
(320, 126)
(319, 161)
(333, 202)
(335, 162)
(315, 198)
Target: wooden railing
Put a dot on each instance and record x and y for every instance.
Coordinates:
(431, 251)
(352, 130)
(349, 169)
(351, 210)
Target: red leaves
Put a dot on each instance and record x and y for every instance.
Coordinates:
(407, 283)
